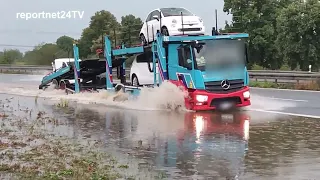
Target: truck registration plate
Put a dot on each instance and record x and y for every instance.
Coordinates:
(225, 106)
(227, 118)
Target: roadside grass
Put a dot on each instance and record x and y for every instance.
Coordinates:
(314, 86)
(29, 151)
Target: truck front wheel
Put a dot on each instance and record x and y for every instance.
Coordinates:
(55, 84)
(135, 81)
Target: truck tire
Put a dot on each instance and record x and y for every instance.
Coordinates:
(135, 81)
(62, 85)
(119, 87)
(55, 84)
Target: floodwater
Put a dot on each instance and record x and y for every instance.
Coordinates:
(188, 145)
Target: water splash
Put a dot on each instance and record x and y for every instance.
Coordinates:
(166, 97)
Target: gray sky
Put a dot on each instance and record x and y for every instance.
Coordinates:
(31, 32)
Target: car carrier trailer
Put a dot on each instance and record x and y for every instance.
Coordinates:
(211, 69)
(78, 75)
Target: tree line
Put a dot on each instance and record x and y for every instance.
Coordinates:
(284, 34)
(102, 23)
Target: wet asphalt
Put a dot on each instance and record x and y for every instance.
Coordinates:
(239, 145)
(187, 145)
(303, 102)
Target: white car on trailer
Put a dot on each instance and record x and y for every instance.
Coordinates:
(172, 23)
(140, 75)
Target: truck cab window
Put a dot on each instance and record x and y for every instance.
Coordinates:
(185, 58)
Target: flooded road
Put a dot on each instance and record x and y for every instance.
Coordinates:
(188, 145)
(183, 145)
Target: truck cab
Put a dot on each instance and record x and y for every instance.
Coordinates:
(212, 69)
(61, 62)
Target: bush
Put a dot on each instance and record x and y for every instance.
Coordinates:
(263, 84)
(309, 86)
(285, 67)
(256, 67)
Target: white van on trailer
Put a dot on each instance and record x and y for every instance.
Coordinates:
(61, 62)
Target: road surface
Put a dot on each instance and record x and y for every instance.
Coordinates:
(275, 101)
(304, 103)
(278, 137)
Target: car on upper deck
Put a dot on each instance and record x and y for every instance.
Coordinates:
(174, 21)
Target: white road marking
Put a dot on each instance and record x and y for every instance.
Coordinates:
(286, 89)
(282, 99)
(286, 113)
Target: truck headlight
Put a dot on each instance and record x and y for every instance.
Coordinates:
(246, 95)
(201, 98)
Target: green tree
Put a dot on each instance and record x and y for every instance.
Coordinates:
(130, 28)
(10, 56)
(43, 55)
(298, 37)
(102, 23)
(258, 18)
(65, 43)
(86, 42)
(289, 41)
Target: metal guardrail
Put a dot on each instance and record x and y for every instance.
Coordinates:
(255, 75)
(29, 67)
(285, 76)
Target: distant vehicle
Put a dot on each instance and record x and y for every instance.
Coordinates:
(172, 23)
(140, 73)
(61, 62)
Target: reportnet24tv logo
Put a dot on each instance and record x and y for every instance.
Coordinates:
(50, 15)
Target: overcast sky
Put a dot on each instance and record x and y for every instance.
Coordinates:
(21, 32)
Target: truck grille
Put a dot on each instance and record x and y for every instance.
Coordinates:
(215, 86)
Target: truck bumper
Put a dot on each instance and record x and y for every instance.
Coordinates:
(200, 100)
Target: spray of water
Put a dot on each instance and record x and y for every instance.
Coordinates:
(166, 97)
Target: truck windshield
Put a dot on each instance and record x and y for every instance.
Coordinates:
(220, 54)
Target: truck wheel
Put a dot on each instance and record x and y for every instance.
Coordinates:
(164, 31)
(143, 40)
(63, 85)
(135, 81)
(119, 87)
(55, 84)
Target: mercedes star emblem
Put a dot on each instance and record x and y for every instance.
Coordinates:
(225, 84)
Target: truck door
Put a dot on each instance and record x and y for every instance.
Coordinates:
(185, 70)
